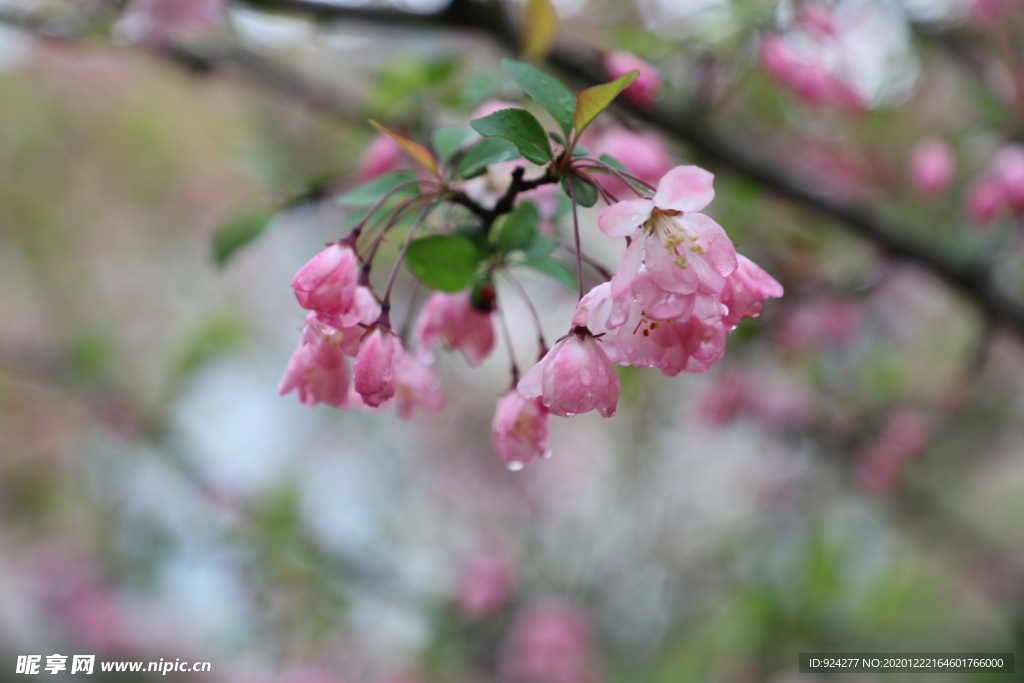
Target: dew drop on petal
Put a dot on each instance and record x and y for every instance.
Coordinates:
(570, 414)
(515, 465)
(434, 384)
(547, 454)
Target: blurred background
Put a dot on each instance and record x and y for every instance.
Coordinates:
(848, 478)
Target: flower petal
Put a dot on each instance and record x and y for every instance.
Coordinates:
(685, 188)
(623, 219)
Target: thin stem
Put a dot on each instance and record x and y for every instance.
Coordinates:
(385, 304)
(356, 231)
(621, 175)
(533, 311)
(576, 236)
(508, 344)
(368, 262)
(604, 272)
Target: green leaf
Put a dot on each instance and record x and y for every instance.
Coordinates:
(517, 229)
(243, 227)
(519, 126)
(371, 192)
(444, 262)
(540, 247)
(556, 269)
(593, 101)
(481, 155)
(451, 139)
(586, 193)
(580, 151)
(545, 89)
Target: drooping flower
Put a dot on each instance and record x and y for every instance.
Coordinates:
(453, 320)
(643, 153)
(690, 344)
(677, 255)
(932, 166)
(643, 92)
(318, 373)
(373, 372)
(520, 429)
(746, 289)
(574, 377)
(382, 155)
(327, 284)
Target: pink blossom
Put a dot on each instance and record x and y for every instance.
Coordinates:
(642, 92)
(985, 199)
(416, 386)
(549, 643)
(815, 72)
(1008, 169)
(318, 373)
(484, 585)
(327, 284)
(677, 255)
(381, 156)
(643, 153)
(453, 320)
(990, 11)
(932, 166)
(745, 291)
(520, 429)
(690, 344)
(161, 21)
(574, 377)
(374, 369)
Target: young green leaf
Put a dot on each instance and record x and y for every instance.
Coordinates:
(451, 139)
(546, 90)
(240, 229)
(371, 192)
(517, 230)
(519, 126)
(556, 269)
(540, 26)
(481, 155)
(593, 101)
(420, 154)
(586, 193)
(444, 262)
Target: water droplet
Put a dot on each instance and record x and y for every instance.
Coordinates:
(546, 454)
(570, 414)
(434, 384)
(515, 465)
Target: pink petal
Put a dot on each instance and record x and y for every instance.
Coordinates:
(685, 188)
(623, 219)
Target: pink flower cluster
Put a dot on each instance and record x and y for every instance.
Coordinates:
(903, 438)
(1000, 188)
(345, 321)
(680, 289)
(811, 60)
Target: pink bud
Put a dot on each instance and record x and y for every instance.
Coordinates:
(327, 284)
(383, 155)
(484, 585)
(574, 377)
(452, 319)
(1008, 168)
(549, 643)
(374, 369)
(643, 153)
(932, 166)
(520, 429)
(642, 92)
(318, 373)
(985, 199)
